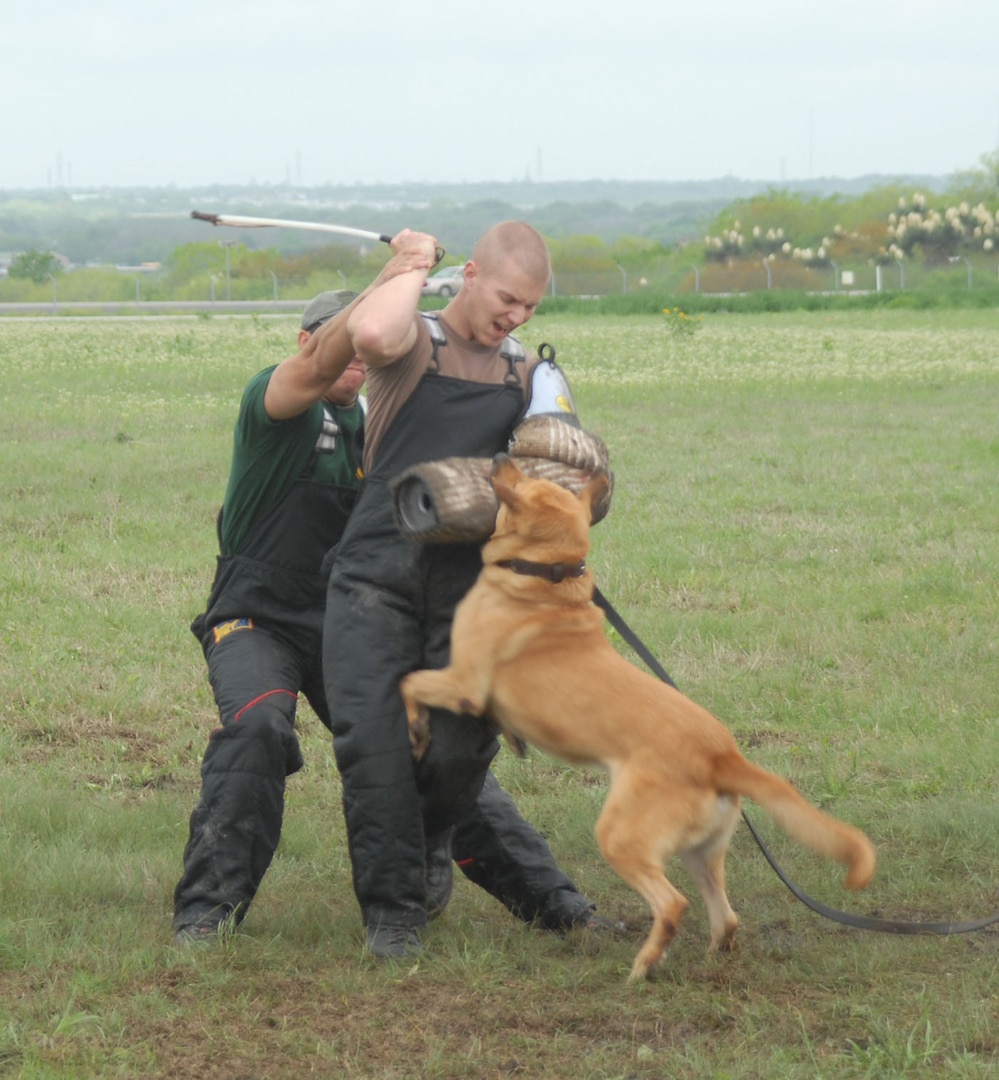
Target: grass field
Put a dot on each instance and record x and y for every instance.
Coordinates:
(804, 530)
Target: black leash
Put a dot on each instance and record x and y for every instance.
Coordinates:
(861, 922)
(630, 636)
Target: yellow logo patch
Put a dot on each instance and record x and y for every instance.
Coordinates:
(224, 629)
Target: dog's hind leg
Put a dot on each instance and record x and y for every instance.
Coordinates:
(706, 865)
(633, 845)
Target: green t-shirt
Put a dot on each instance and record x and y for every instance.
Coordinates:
(268, 456)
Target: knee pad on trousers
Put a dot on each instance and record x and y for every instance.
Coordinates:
(261, 740)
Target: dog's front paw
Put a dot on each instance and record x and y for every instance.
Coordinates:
(516, 744)
(419, 731)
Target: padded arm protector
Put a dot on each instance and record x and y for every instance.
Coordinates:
(452, 501)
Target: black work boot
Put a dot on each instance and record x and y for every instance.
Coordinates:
(565, 911)
(389, 942)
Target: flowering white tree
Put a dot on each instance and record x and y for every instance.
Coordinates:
(939, 235)
(759, 242)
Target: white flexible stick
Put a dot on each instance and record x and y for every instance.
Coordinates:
(315, 226)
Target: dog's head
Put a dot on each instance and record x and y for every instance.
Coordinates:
(538, 519)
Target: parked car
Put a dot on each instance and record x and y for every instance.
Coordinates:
(445, 282)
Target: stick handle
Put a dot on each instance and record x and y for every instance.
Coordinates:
(237, 222)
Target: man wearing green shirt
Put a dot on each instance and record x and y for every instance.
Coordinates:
(292, 483)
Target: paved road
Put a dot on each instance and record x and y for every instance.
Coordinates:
(157, 307)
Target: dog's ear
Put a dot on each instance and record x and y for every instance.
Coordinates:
(504, 476)
(594, 492)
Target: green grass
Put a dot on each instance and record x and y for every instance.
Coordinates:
(804, 530)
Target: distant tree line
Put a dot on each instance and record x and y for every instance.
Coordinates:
(131, 227)
(701, 243)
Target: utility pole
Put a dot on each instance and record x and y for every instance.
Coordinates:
(227, 244)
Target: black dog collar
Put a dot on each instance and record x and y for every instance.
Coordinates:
(553, 572)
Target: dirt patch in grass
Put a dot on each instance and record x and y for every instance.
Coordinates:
(91, 732)
(286, 1027)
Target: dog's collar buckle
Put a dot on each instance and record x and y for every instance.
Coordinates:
(553, 572)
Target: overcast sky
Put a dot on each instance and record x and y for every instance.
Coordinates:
(327, 91)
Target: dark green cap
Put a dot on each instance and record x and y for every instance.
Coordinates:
(323, 307)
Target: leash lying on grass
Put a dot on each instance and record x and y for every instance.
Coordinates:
(861, 922)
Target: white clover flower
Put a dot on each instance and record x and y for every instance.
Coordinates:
(756, 232)
(988, 243)
(822, 252)
(919, 200)
(786, 247)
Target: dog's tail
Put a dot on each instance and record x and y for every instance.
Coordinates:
(807, 824)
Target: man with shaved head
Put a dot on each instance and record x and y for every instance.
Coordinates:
(515, 241)
(451, 385)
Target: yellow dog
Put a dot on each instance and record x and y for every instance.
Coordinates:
(528, 650)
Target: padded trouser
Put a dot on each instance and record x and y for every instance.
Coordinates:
(391, 805)
(236, 824)
(501, 852)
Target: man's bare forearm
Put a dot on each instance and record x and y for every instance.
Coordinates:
(381, 325)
